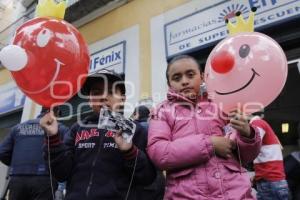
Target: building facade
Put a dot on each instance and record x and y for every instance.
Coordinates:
(137, 37)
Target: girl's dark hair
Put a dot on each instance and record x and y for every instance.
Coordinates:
(176, 58)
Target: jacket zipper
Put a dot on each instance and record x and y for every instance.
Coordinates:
(196, 128)
(101, 138)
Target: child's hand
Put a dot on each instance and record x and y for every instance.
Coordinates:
(240, 122)
(123, 145)
(49, 123)
(222, 146)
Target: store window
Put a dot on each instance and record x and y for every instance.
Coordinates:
(283, 113)
(11, 105)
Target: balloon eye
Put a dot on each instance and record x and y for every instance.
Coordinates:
(244, 50)
(43, 37)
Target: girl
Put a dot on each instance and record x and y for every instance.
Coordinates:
(186, 139)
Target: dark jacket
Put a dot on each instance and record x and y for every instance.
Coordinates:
(156, 190)
(22, 149)
(292, 171)
(94, 167)
(144, 123)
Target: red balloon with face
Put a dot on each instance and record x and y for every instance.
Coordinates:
(57, 60)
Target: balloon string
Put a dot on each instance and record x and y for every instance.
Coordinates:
(49, 165)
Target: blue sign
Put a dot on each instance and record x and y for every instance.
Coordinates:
(11, 98)
(207, 25)
(111, 58)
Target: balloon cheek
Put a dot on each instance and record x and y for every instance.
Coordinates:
(8, 57)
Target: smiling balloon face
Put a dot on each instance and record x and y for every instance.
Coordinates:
(247, 70)
(55, 60)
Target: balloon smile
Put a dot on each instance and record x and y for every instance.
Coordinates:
(58, 65)
(254, 73)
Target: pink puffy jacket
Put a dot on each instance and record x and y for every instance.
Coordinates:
(179, 142)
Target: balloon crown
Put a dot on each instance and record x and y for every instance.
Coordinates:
(49, 8)
(241, 24)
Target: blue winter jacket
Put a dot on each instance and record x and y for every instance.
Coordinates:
(22, 149)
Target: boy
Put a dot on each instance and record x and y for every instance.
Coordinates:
(269, 169)
(99, 163)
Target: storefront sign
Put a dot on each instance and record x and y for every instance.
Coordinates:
(120, 52)
(11, 98)
(207, 25)
(111, 58)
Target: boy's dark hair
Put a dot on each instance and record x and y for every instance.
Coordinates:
(176, 58)
(113, 80)
(142, 111)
